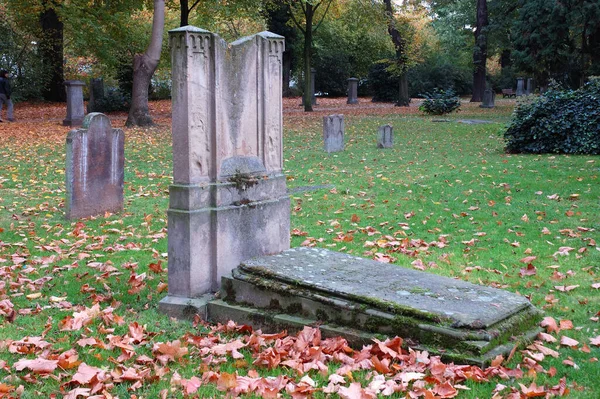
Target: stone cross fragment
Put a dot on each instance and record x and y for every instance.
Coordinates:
(333, 133)
(488, 99)
(75, 110)
(385, 136)
(352, 91)
(228, 201)
(94, 171)
(520, 86)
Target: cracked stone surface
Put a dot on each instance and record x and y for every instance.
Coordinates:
(390, 287)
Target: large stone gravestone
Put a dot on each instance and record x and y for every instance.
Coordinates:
(385, 136)
(488, 99)
(229, 219)
(352, 91)
(94, 172)
(333, 133)
(75, 109)
(228, 201)
(520, 87)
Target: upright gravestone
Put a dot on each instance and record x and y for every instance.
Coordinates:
(75, 110)
(96, 95)
(530, 86)
(520, 86)
(333, 133)
(228, 201)
(352, 91)
(385, 136)
(488, 99)
(94, 172)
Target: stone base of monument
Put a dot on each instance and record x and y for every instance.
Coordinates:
(360, 299)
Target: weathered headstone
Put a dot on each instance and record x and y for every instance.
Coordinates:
(228, 201)
(385, 136)
(96, 95)
(94, 172)
(352, 91)
(333, 133)
(530, 86)
(520, 86)
(488, 99)
(75, 110)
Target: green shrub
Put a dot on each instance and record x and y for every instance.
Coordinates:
(439, 102)
(114, 100)
(559, 121)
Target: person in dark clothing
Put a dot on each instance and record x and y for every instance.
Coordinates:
(5, 93)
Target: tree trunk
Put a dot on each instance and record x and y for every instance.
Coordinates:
(144, 66)
(51, 51)
(307, 98)
(480, 52)
(400, 46)
(287, 72)
(185, 13)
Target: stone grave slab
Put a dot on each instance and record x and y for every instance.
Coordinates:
(359, 298)
(385, 136)
(474, 121)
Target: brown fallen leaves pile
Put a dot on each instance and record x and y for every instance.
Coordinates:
(139, 357)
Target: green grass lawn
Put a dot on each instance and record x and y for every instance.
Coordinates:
(442, 182)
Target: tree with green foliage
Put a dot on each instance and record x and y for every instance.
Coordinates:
(558, 40)
(304, 14)
(400, 45)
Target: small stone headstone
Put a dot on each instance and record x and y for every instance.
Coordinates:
(488, 99)
(352, 91)
(385, 136)
(333, 133)
(94, 172)
(96, 95)
(520, 86)
(75, 110)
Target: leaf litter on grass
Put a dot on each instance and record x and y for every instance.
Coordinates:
(77, 298)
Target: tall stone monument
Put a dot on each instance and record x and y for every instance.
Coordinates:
(94, 172)
(75, 110)
(520, 87)
(352, 91)
(333, 133)
(385, 136)
(228, 201)
(530, 86)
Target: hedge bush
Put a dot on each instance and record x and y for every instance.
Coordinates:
(559, 121)
(440, 102)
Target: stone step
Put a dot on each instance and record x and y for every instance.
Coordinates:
(460, 320)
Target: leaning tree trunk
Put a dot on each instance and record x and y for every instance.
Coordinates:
(400, 46)
(51, 51)
(307, 99)
(480, 52)
(144, 66)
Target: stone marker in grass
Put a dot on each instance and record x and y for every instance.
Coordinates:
(75, 109)
(333, 133)
(94, 171)
(488, 99)
(352, 91)
(385, 136)
(228, 201)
